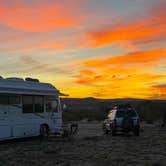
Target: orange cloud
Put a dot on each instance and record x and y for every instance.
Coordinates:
(121, 76)
(158, 91)
(119, 86)
(160, 88)
(41, 19)
(105, 77)
(52, 45)
(146, 29)
(142, 57)
(91, 80)
(87, 72)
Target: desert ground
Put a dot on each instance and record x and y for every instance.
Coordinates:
(89, 148)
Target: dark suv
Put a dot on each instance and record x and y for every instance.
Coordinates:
(122, 118)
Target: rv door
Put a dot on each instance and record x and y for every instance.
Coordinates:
(5, 129)
(4, 107)
(51, 108)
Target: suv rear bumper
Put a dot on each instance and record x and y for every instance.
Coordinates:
(120, 128)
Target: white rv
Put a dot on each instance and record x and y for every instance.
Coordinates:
(28, 108)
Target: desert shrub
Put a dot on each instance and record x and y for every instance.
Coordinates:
(79, 109)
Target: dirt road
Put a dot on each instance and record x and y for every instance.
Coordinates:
(89, 148)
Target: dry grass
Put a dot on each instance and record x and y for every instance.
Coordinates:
(89, 148)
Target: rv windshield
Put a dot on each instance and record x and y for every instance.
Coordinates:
(55, 105)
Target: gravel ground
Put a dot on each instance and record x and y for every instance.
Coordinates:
(89, 148)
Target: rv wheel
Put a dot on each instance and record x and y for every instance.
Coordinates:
(44, 130)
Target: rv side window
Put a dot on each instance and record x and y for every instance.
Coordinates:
(4, 99)
(14, 99)
(27, 104)
(48, 106)
(39, 104)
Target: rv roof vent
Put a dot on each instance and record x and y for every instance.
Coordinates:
(15, 79)
(31, 79)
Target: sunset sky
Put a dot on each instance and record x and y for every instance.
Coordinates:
(87, 48)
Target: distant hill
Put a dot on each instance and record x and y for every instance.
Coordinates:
(97, 109)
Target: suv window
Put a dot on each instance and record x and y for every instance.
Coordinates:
(131, 113)
(120, 114)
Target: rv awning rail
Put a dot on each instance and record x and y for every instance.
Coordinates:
(28, 87)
